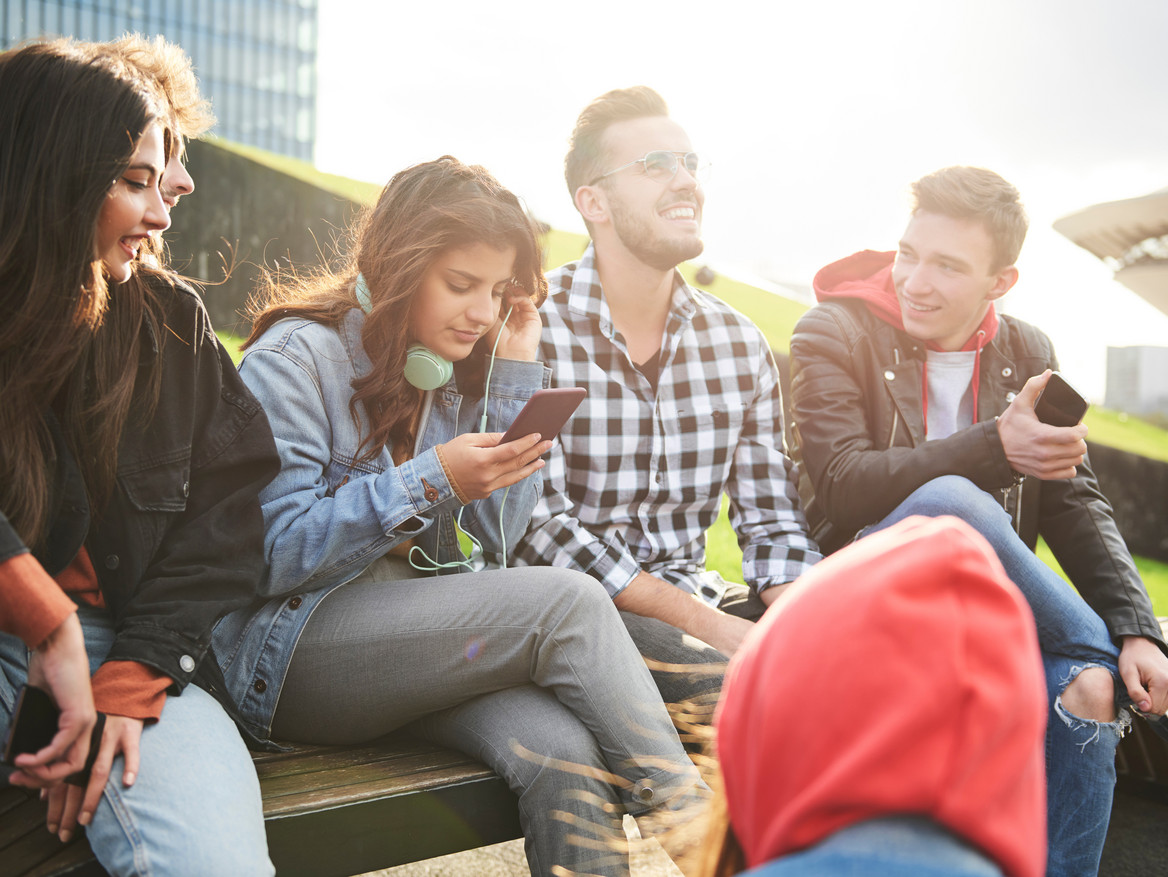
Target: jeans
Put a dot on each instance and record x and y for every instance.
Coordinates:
(195, 807)
(1080, 753)
(897, 846)
(527, 669)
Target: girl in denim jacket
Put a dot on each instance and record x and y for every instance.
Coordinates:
(531, 669)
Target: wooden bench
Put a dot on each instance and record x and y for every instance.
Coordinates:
(330, 811)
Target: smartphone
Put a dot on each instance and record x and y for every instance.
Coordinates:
(34, 723)
(546, 412)
(1060, 404)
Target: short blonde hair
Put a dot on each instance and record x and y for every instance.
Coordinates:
(978, 194)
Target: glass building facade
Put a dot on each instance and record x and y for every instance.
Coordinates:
(255, 59)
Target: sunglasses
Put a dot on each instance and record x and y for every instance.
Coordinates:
(662, 165)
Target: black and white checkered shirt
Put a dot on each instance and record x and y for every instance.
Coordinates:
(638, 475)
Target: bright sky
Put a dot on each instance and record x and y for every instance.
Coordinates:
(816, 116)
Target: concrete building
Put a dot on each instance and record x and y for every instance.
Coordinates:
(1137, 380)
(256, 59)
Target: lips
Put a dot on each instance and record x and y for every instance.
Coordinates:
(131, 244)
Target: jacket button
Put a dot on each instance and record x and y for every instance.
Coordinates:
(644, 791)
(187, 663)
(1007, 371)
(890, 375)
(186, 488)
(295, 602)
(112, 561)
(260, 686)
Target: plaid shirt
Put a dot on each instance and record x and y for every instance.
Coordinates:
(638, 476)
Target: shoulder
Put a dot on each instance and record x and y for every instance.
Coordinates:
(1021, 337)
(712, 313)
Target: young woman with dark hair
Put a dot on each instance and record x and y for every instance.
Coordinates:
(531, 669)
(129, 467)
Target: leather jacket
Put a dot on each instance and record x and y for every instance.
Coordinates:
(180, 543)
(858, 435)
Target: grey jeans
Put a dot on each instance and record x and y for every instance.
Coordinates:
(528, 669)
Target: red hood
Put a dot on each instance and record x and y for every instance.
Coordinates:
(867, 277)
(901, 675)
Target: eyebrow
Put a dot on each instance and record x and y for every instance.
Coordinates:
(904, 246)
(144, 166)
(474, 278)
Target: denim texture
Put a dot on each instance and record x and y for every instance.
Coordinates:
(195, 808)
(1080, 753)
(898, 846)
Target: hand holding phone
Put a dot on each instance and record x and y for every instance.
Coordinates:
(1060, 404)
(546, 412)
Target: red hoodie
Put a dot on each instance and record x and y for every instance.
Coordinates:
(900, 676)
(867, 277)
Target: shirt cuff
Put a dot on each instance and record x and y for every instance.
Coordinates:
(130, 689)
(32, 605)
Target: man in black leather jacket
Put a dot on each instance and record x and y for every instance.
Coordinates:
(910, 395)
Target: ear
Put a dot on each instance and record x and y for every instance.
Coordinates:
(592, 204)
(1004, 281)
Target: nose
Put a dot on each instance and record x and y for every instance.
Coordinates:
(482, 309)
(157, 216)
(176, 182)
(916, 279)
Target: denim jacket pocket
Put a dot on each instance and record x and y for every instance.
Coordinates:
(162, 487)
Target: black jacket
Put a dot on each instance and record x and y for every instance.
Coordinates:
(858, 434)
(180, 544)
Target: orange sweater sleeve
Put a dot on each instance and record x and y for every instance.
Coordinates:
(32, 605)
(127, 688)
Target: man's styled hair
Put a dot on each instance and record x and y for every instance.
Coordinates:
(586, 159)
(978, 194)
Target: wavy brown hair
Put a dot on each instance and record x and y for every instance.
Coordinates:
(421, 213)
(71, 124)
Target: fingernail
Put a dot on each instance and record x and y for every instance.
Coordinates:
(66, 835)
(52, 826)
(84, 818)
(128, 778)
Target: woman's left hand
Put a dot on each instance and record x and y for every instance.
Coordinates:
(520, 336)
(70, 804)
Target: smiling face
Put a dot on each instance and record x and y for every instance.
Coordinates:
(659, 222)
(945, 279)
(133, 210)
(459, 298)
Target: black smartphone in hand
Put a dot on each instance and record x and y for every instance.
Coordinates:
(546, 412)
(34, 723)
(1060, 404)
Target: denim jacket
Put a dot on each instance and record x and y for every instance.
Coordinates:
(328, 515)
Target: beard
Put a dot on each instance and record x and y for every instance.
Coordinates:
(656, 251)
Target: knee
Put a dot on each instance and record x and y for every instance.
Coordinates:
(949, 495)
(1091, 695)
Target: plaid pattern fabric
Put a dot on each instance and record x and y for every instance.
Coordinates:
(638, 476)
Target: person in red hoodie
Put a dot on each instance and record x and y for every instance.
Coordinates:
(911, 395)
(937, 770)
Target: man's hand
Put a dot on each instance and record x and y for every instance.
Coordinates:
(60, 666)
(69, 804)
(1037, 448)
(1144, 670)
(654, 598)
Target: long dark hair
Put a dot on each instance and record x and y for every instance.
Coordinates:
(71, 124)
(422, 212)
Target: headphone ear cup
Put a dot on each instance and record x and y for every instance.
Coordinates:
(425, 369)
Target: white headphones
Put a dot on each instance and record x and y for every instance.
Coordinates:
(425, 369)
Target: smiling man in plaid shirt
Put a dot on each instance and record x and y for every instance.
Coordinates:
(683, 402)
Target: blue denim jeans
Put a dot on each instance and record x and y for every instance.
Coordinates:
(1080, 753)
(195, 807)
(898, 846)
